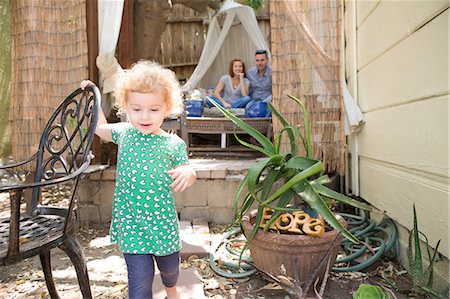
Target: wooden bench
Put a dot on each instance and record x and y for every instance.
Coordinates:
(223, 126)
(185, 126)
(68, 133)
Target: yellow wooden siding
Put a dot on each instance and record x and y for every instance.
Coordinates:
(390, 23)
(413, 136)
(394, 189)
(364, 9)
(414, 69)
(403, 90)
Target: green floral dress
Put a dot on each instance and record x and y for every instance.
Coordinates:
(144, 217)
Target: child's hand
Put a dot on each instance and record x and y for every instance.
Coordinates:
(183, 176)
(85, 83)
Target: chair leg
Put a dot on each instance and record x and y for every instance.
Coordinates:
(73, 249)
(47, 269)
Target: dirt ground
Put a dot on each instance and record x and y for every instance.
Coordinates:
(107, 273)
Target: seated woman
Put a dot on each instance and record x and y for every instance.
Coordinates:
(232, 89)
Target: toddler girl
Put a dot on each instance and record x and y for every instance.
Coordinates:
(151, 165)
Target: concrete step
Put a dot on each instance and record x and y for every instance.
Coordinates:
(195, 238)
(195, 241)
(189, 285)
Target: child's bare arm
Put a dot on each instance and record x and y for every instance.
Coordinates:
(183, 176)
(103, 128)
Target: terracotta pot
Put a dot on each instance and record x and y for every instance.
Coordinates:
(298, 253)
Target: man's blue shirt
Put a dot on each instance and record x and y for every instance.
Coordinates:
(260, 85)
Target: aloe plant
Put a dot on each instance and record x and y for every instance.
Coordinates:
(298, 175)
(422, 279)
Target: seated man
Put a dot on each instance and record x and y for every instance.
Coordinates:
(260, 77)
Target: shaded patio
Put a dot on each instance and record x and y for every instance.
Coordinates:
(107, 272)
(107, 269)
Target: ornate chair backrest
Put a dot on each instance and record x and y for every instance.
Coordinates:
(66, 140)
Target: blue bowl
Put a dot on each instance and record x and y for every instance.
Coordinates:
(194, 108)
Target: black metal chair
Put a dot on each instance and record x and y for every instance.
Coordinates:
(62, 157)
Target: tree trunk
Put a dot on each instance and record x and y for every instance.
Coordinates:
(149, 24)
(150, 18)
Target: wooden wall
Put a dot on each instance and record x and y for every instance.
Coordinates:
(403, 91)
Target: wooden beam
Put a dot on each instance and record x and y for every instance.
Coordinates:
(92, 39)
(125, 47)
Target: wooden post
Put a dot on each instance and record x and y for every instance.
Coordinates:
(125, 47)
(92, 38)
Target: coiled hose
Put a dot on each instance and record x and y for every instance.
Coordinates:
(379, 240)
(230, 257)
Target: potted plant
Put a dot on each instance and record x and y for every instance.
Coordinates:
(283, 184)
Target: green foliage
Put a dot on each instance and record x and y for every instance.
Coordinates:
(255, 4)
(368, 291)
(296, 174)
(422, 279)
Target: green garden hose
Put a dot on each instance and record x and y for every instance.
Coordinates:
(245, 270)
(381, 238)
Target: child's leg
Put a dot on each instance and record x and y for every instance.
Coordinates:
(169, 267)
(140, 275)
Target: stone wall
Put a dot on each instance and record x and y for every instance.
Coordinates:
(211, 197)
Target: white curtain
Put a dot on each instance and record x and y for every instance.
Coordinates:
(109, 21)
(250, 23)
(238, 37)
(353, 117)
(214, 40)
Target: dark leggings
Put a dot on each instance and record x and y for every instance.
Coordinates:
(141, 272)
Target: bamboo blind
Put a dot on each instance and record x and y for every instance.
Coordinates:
(49, 59)
(300, 70)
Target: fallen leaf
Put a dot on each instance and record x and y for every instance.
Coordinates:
(192, 257)
(20, 282)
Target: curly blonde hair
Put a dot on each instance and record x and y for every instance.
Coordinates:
(149, 77)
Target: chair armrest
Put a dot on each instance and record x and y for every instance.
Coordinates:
(13, 165)
(70, 176)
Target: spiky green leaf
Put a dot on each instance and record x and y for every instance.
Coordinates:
(250, 238)
(323, 190)
(255, 172)
(307, 125)
(253, 146)
(417, 250)
(316, 202)
(312, 170)
(284, 122)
